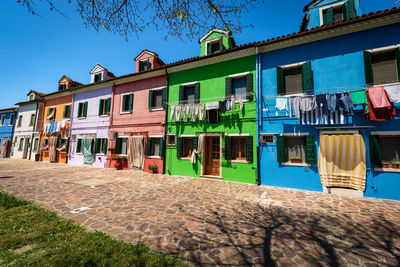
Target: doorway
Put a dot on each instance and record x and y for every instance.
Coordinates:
(212, 155)
(26, 146)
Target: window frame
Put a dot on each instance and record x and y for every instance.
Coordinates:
(289, 67)
(51, 108)
(82, 110)
(239, 76)
(396, 70)
(100, 75)
(158, 90)
(12, 118)
(325, 8)
(383, 135)
(34, 118)
(185, 98)
(146, 64)
(104, 108)
(184, 145)
(35, 144)
(242, 138)
(102, 141)
(21, 144)
(122, 101)
(213, 41)
(154, 155)
(3, 120)
(70, 108)
(167, 141)
(127, 139)
(304, 163)
(20, 119)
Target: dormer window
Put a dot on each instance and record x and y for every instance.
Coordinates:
(214, 46)
(97, 78)
(31, 97)
(338, 12)
(62, 87)
(144, 64)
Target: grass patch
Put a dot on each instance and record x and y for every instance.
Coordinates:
(32, 236)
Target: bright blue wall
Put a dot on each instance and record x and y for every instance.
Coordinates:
(338, 65)
(7, 131)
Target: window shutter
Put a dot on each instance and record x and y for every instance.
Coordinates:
(59, 87)
(161, 147)
(123, 104)
(249, 148)
(350, 9)
(148, 64)
(398, 61)
(150, 104)
(280, 81)
(78, 146)
(375, 151)
(64, 113)
(148, 148)
(228, 147)
(108, 105)
(325, 18)
(179, 147)
(249, 87)
(221, 44)
(307, 76)
(369, 75)
(310, 149)
(329, 16)
(181, 91)
(195, 143)
(280, 149)
(228, 87)
(79, 110)
(164, 97)
(197, 93)
(344, 11)
(97, 150)
(130, 102)
(105, 145)
(209, 48)
(86, 106)
(101, 103)
(118, 146)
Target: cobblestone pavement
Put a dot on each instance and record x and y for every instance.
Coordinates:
(210, 222)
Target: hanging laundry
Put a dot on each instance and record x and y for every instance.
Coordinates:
(379, 114)
(185, 112)
(201, 112)
(347, 104)
(359, 97)
(378, 97)
(228, 105)
(331, 101)
(212, 105)
(58, 126)
(233, 104)
(222, 106)
(295, 102)
(282, 104)
(307, 103)
(172, 114)
(241, 103)
(193, 113)
(393, 92)
(178, 110)
(322, 104)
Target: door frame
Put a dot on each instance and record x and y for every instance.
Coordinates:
(220, 156)
(26, 147)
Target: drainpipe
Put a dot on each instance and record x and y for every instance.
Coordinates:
(258, 112)
(110, 124)
(34, 129)
(70, 127)
(165, 125)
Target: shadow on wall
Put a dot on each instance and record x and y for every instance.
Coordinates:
(253, 234)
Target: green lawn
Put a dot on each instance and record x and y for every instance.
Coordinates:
(32, 236)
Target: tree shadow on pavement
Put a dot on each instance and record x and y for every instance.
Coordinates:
(255, 234)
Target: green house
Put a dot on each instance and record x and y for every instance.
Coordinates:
(212, 112)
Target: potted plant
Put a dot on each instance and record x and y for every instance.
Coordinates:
(385, 164)
(118, 162)
(153, 168)
(296, 160)
(395, 164)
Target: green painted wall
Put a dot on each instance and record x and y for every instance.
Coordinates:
(212, 88)
(225, 41)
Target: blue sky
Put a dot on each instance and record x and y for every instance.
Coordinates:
(37, 51)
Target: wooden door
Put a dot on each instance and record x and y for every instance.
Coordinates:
(26, 147)
(212, 156)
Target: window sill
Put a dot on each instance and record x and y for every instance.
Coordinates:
(295, 164)
(125, 112)
(244, 101)
(156, 109)
(171, 145)
(186, 158)
(105, 115)
(81, 118)
(153, 157)
(387, 169)
(238, 161)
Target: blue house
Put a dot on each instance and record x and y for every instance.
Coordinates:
(310, 137)
(8, 118)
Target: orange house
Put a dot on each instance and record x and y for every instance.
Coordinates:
(54, 134)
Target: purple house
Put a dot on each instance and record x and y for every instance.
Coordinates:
(90, 120)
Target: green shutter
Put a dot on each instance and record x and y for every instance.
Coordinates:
(65, 112)
(150, 104)
(86, 106)
(350, 9)
(164, 97)
(329, 16)
(197, 93)
(398, 61)
(179, 147)
(118, 146)
(375, 151)
(105, 145)
(97, 149)
(148, 64)
(310, 149)
(79, 109)
(228, 147)
(78, 145)
(195, 143)
(181, 91)
(148, 147)
(208, 48)
(344, 11)
(324, 18)
(369, 75)
(130, 102)
(108, 105)
(228, 87)
(280, 149)
(59, 87)
(249, 148)
(124, 99)
(221, 44)
(101, 103)
(280, 81)
(249, 86)
(307, 77)
(161, 147)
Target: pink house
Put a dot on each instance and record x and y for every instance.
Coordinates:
(137, 122)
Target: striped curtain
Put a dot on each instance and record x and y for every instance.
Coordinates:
(341, 161)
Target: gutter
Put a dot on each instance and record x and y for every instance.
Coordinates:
(166, 123)
(258, 110)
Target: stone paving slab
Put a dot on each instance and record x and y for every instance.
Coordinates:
(210, 222)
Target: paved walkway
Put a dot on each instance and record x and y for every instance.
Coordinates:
(212, 222)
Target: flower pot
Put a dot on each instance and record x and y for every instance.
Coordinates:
(395, 165)
(385, 165)
(296, 160)
(152, 171)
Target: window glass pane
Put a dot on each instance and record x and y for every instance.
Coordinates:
(155, 146)
(157, 99)
(239, 88)
(21, 144)
(2, 120)
(171, 140)
(384, 67)
(390, 148)
(338, 14)
(295, 147)
(124, 146)
(293, 80)
(36, 144)
(187, 147)
(214, 47)
(189, 95)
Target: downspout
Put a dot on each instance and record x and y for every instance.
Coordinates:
(110, 125)
(165, 124)
(12, 134)
(34, 129)
(258, 114)
(70, 127)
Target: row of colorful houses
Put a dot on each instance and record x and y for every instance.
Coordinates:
(282, 112)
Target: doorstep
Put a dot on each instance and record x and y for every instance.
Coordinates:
(211, 177)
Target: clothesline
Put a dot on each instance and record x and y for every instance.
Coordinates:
(213, 99)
